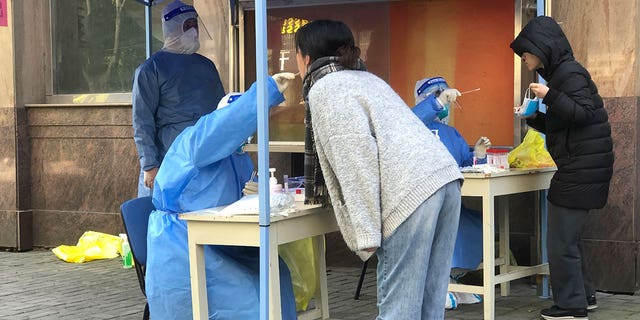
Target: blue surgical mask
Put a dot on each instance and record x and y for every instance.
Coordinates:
(529, 105)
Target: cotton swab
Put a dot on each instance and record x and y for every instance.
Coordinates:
(457, 104)
(469, 91)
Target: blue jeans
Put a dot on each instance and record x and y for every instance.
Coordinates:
(414, 262)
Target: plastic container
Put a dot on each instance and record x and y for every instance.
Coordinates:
(125, 252)
(275, 188)
(498, 158)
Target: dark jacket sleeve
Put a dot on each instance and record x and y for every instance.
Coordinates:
(573, 101)
(539, 122)
(145, 95)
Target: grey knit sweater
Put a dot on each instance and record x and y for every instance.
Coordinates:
(378, 160)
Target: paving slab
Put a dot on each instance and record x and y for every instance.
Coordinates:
(37, 285)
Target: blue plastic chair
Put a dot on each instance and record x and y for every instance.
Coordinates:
(135, 217)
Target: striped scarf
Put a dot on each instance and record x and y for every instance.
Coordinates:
(314, 185)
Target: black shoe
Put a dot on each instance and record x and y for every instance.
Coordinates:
(556, 312)
(591, 303)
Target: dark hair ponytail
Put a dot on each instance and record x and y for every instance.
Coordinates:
(348, 56)
(324, 38)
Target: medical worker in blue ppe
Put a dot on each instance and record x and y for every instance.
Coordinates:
(204, 168)
(171, 90)
(433, 102)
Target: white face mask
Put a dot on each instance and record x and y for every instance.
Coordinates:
(186, 43)
(189, 42)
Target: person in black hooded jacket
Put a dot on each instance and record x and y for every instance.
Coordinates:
(578, 138)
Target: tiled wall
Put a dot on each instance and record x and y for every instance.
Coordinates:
(607, 44)
(611, 233)
(8, 167)
(604, 38)
(83, 166)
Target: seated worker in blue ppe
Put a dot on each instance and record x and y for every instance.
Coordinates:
(204, 168)
(433, 102)
(171, 90)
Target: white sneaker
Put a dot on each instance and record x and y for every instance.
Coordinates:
(451, 302)
(467, 298)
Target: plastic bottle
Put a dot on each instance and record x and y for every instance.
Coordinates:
(274, 186)
(272, 179)
(125, 252)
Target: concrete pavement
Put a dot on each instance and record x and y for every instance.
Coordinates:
(37, 285)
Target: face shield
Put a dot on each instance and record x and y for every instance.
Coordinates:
(180, 28)
(429, 86)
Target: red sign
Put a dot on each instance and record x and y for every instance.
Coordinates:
(3, 13)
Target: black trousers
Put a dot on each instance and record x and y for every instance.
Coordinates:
(570, 279)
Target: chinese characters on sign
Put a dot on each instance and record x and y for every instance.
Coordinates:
(3, 13)
(288, 30)
(291, 25)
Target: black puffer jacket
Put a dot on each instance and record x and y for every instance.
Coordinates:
(576, 123)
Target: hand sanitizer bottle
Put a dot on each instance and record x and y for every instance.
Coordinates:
(274, 187)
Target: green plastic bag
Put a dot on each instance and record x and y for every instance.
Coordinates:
(301, 259)
(531, 153)
(92, 245)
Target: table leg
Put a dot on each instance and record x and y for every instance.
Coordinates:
(198, 279)
(488, 256)
(504, 243)
(322, 295)
(275, 310)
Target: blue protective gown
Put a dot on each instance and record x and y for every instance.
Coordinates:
(467, 253)
(427, 110)
(170, 92)
(202, 169)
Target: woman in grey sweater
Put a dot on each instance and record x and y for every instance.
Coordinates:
(394, 188)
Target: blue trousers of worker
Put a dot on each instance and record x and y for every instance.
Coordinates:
(232, 273)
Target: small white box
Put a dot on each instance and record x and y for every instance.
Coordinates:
(298, 194)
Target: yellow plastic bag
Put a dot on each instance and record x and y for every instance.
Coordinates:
(301, 259)
(531, 153)
(91, 246)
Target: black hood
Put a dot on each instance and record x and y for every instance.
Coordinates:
(544, 38)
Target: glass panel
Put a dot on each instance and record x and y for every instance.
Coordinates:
(370, 25)
(464, 41)
(97, 44)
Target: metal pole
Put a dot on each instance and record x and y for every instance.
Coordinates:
(148, 33)
(263, 154)
(544, 293)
